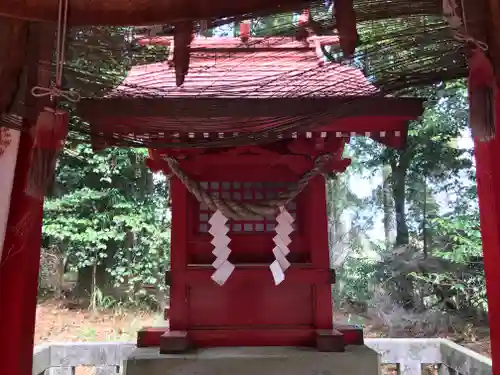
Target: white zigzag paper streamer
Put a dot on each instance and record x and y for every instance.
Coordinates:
(281, 240)
(218, 229)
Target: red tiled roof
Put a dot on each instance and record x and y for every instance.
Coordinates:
(227, 68)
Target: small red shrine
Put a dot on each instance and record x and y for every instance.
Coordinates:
(233, 88)
(250, 261)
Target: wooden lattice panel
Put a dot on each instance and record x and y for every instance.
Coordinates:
(245, 191)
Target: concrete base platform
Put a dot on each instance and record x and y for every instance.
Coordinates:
(356, 360)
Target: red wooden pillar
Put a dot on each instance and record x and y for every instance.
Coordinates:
(20, 259)
(19, 271)
(317, 227)
(488, 185)
(178, 313)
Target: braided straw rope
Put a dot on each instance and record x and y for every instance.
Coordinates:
(247, 210)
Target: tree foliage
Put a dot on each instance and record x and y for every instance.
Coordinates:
(110, 215)
(435, 255)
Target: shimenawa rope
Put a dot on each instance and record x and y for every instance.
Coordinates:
(247, 210)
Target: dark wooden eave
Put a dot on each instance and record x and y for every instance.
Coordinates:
(210, 108)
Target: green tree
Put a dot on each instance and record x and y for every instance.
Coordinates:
(111, 218)
(429, 164)
(107, 214)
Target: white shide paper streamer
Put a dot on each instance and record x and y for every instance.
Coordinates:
(218, 229)
(281, 241)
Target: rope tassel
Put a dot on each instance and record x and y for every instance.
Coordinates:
(51, 127)
(50, 132)
(481, 113)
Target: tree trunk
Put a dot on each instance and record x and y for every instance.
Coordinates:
(399, 193)
(338, 248)
(399, 172)
(236, 29)
(61, 268)
(84, 283)
(150, 185)
(93, 294)
(424, 220)
(387, 205)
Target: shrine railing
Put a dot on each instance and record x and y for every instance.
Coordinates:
(402, 356)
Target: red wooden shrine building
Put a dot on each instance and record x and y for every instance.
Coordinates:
(249, 252)
(231, 87)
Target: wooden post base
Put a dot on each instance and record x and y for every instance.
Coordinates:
(170, 342)
(150, 336)
(330, 340)
(353, 335)
(174, 342)
(336, 339)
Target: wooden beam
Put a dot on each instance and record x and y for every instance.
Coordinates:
(13, 41)
(153, 12)
(494, 35)
(210, 108)
(142, 12)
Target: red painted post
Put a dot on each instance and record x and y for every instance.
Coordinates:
(20, 259)
(19, 267)
(488, 186)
